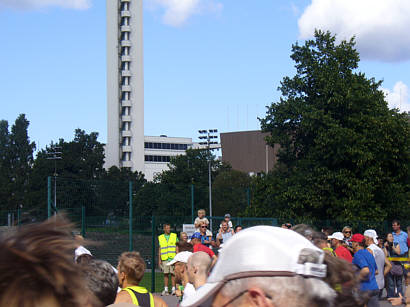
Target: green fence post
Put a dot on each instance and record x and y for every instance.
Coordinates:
(49, 197)
(83, 221)
(192, 203)
(248, 196)
(18, 216)
(130, 217)
(153, 255)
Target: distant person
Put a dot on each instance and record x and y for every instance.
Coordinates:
(347, 233)
(400, 237)
(366, 264)
(337, 244)
(198, 267)
(37, 268)
(206, 238)
(238, 228)
(224, 234)
(201, 218)
(183, 237)
(227, 219)
(131, 269)
(370, 236)
(166, 252)
(394, 278)
(185, 289)
(101, 280)
(199, 247)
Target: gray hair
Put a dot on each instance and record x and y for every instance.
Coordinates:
(294, 291)
(101, 279)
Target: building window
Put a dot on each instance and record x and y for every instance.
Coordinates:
(152, 158)
(172, 146)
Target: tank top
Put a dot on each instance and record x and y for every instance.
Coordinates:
(140, 296)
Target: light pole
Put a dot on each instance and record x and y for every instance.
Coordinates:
(209, 139)
(54, 154)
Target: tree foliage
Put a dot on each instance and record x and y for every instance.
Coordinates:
(344, 154)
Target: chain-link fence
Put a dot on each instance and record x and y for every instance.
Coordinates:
(112, 215)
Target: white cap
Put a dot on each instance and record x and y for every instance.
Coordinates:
(180, 257)
(81, 250)
(260, 251)
(337, 235)
(372, 234)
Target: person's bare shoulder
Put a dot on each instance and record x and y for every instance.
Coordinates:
(123, 297)
(159, 302)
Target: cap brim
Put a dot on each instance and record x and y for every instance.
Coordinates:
(172, 262)
(204, 296)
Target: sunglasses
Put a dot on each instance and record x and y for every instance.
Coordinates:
(347, 232)
(203, 226)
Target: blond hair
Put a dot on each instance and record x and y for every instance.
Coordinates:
(132, 264)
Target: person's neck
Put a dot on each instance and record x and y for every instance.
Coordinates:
(397, 231)
(199, 281)
(126, 284)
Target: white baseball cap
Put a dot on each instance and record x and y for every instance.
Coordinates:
(81, 250)
(372, 234)
(337, 235)
(180, 257)
(260, 251)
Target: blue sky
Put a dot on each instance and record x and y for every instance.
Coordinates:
(207, 63)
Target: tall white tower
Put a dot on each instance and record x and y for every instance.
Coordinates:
(125, 85)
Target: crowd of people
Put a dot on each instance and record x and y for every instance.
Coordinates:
(292, 266)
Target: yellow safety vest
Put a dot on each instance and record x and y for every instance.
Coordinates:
(145, 298)
(168, 248)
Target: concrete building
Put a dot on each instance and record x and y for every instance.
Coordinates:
(125, 85)
(126, 145)
(248, 152)
(158, 151)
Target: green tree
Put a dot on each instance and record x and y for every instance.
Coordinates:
(344, 154)
(21, 160)
(173, 187)
(81, 162)
(230, 192)
(5, 178)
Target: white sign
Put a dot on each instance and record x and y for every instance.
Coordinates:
(189, 229)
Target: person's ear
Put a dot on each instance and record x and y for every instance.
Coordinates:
(122, 276)
(256, 297)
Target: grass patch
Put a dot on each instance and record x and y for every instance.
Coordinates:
(159, 282)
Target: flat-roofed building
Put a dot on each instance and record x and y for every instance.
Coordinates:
(248, 152)
(158, 151)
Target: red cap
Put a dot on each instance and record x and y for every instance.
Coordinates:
(357, 237)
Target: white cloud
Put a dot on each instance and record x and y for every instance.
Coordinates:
(38, 4)
(177, 12)
(380, 26)
(398, 98)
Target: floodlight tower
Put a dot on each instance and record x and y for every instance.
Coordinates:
(209, 137)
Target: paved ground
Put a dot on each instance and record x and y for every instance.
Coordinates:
(171, 300)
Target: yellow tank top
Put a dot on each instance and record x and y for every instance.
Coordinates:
(140, 296)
